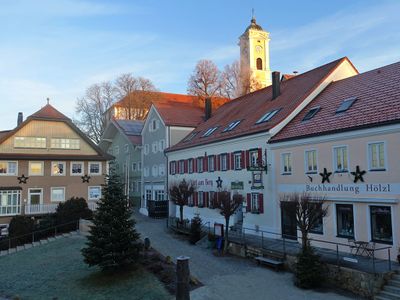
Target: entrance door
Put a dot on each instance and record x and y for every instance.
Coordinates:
(35, 196)
(288, 217)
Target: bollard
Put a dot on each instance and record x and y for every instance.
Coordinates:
(182, 276)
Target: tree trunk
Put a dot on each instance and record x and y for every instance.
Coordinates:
(304, 239)
(226, 235)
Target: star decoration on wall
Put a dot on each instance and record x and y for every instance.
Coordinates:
(22, 179)
(219, 182)
(358, 174)
(85, 178)
(325, 176)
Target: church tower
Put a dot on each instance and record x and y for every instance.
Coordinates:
(254, 57)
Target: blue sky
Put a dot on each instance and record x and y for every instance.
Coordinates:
(57, 48)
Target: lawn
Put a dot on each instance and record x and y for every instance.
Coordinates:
(56, 271)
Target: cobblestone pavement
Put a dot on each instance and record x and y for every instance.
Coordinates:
(226, 277)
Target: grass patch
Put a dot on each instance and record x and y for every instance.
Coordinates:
(57, 271)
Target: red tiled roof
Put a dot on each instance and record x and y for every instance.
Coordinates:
(251, 107)
(180, 114)
(287, 76)
(135, 139)
(378, 103)
(4, 133)
(49, 112)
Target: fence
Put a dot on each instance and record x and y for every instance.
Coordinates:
(184, 227)
(6, 244)
(339, 254)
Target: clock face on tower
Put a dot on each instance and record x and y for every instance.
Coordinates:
(258, 49)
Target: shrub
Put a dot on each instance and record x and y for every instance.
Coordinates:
(45, 227)
(72, 210)
(20, 230)
(195, 230)
(308, 269)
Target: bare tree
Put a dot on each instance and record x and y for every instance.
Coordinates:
(180, 194)
(92, 109)
(136, 94)
(205, 80)
(230, 81)
(309, 210)
(228, 206)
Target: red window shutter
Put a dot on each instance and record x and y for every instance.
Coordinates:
(196, 199)
(205, 163)
(228, 161)
(242, 159)
(177, 167)
(185, 165)
(232, 161)
(205, 197)
(259, 156)
(247, 159)
(194, 165)
(217, 163)
(170, 168)
(248, 207)
(261, 203)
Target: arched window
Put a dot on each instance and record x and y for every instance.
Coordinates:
(259, 63)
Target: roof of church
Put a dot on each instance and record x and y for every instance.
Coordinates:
(373, 100)
(249, 109)
(253, 25)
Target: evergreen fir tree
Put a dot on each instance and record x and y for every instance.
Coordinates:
(113, 242)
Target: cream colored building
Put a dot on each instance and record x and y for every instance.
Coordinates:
(46, 160)
(344, 147)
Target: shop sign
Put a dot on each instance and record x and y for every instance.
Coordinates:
(354, 189)
(237, 185)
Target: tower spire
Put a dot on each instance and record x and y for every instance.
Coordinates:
(252, 15)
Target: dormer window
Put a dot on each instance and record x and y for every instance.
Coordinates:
(232, 125)
(210, 131)
(61, 143)
(268, 116)
(346, 104)
(29, 142)
(311, 113)
(190, 136)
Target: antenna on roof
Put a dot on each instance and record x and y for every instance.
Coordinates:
(48, 100)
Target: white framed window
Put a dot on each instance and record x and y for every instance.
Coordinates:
(154, 147)
(253, 158)
(223, 162)
(126, 147)
(94, 168)
(10, 202)
(8, 168)
(116, 150)
(376, 153)
(146, 172)
(190, 165)
(154, 171)
(57, 194)
(146, 149)
(286, 159)
(94, 192)
(237, 159)
(161, 145)
(139, 166)
(211, 163)
(134, 167)
(181, 166)
(36, 168)
(200, 162)
(148, 194)
(161, 169)
(311, 161)
(29, 142)
(63, 143)
(58, 168)
(155, 124)
(159, 195)
(255, 207)
(35, 196)
(77, 168)
(341, 159)
(173, 167)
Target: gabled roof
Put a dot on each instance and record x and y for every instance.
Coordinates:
(377, 103)
(49, 113)
(131, 129)
(180, 114)
(251, 107)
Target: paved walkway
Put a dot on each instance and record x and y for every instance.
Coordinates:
(226, 277)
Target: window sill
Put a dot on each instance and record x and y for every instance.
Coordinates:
(312, 173)
(377, 170)
(382, 242)
(345, 236)
(285, 174)
(341, 172)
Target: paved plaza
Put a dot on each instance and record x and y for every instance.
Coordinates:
(226, 277)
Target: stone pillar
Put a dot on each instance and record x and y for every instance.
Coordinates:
(183, 277)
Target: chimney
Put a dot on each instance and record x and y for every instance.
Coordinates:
(276, 87)
(207, 109)
(20, 118)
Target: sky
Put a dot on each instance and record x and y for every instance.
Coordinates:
(58, 48)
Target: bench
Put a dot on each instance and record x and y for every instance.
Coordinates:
(277, 264)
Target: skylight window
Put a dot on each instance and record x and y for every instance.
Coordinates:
(190, 137)
(311, 113)
(268, 116)
(232, 125)
(346, 104)
(210, 131)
